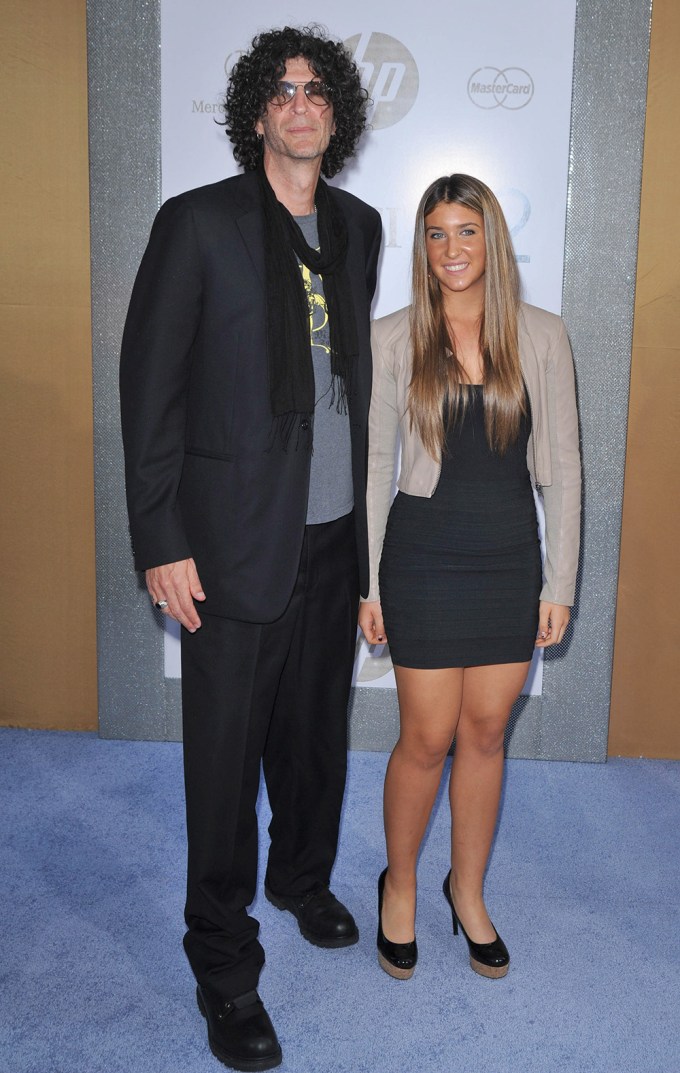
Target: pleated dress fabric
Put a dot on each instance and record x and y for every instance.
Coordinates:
(460, 572)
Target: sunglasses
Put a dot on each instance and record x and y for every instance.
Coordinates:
(316, 92)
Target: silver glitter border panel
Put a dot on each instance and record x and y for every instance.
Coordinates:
(570, 720)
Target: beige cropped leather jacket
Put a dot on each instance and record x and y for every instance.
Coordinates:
(553, 454)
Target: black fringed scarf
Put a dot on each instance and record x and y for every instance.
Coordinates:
(291, 373)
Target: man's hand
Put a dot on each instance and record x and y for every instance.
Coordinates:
(179, 585)
(371, 622)
(553, 620)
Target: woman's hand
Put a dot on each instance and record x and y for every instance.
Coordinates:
(553, 620)
(371, 622)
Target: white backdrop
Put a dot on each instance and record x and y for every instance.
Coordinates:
(483, 89)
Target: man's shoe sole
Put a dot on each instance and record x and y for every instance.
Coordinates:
(310, 936)
(243, 1065)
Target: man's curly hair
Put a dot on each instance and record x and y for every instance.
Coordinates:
(252, 84)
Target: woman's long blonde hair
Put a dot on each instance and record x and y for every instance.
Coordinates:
(438, 379)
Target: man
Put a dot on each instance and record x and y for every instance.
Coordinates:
(245, 384)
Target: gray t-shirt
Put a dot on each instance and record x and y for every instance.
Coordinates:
(331, 494)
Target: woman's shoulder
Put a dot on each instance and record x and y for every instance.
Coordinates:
(392, 328)
(537, 321)
(542, 338)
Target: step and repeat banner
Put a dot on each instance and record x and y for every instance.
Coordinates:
(481, 88)
(486, 88)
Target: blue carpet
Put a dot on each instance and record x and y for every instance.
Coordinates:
(583, 886)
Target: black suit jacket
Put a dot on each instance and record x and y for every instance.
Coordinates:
(204, 475)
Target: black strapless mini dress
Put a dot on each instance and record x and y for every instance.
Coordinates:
(460, 573)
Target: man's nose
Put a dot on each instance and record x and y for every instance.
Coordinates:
(300, 99)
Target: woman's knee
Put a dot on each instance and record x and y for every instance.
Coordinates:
(425, 750)
(485, 734)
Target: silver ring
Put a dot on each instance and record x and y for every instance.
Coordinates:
(161, 604)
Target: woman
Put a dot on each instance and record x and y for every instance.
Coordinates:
(480, 388)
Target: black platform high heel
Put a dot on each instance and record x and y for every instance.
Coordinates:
(397, 959)
(488, 959)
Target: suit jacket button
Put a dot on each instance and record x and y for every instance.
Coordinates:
(304, 424)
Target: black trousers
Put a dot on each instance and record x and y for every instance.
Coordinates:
(276, 693)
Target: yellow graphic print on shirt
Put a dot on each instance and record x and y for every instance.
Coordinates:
(318, 312)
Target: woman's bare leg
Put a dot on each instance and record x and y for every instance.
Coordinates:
(476, 779)
(429, 706)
